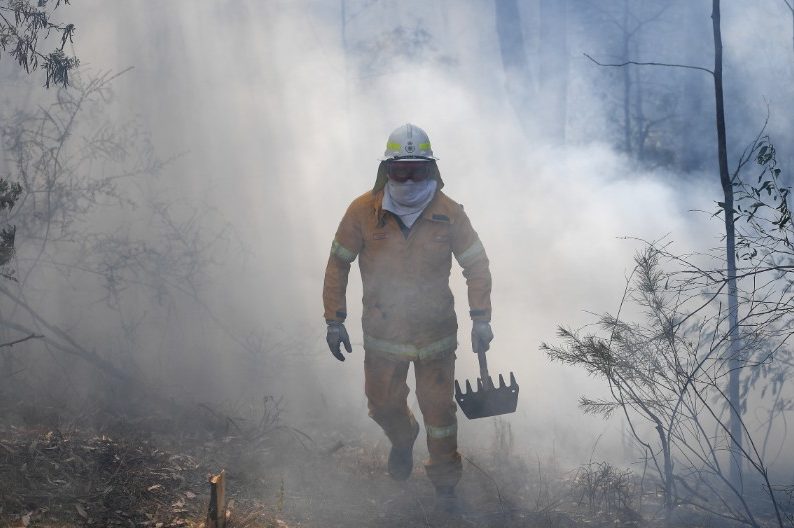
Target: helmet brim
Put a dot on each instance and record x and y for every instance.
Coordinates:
(409, 158)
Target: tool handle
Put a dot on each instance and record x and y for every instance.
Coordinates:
(483, 366)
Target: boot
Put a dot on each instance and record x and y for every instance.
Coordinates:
(401, 461)
(446, 500)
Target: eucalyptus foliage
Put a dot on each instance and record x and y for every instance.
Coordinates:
(23, 29)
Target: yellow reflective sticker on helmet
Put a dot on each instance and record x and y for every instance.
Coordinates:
(424, 146)
(391, 145)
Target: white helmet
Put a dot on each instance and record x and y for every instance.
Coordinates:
(407, 143)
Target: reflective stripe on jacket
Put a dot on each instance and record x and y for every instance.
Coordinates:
(408, 310)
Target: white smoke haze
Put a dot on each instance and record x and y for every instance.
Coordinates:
(274, 130)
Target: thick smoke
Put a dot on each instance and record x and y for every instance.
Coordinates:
(275, 121)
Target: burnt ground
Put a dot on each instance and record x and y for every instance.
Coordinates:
(78, 478)
(141, 473)
(283, 478)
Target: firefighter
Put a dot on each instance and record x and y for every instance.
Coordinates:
(404, 232)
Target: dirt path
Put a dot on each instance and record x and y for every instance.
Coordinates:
(350, 487)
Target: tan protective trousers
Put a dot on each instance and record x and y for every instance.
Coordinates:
(387, 392)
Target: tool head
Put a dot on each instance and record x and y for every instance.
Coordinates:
(487, 400)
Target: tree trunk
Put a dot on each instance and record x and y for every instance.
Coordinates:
(343, 24)
(554, 68)
(791, 8)
(664, 441)
(734, 361)
(514, 61)
(628, 133)
(693, 95)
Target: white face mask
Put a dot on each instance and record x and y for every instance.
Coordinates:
(409, 199)
(411, 194)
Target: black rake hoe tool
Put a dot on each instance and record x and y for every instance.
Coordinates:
(488, 400)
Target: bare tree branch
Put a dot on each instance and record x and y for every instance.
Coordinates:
(12, 343)
(636, 63)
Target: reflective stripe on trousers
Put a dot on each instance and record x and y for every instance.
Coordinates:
(441, 432)
(387, 394)
(403, 351)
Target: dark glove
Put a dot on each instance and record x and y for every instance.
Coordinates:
(481, 336)
(336, 335)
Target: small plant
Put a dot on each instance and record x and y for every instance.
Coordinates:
(788, 505)
(665, 375)
(9, 194)
(603, 487)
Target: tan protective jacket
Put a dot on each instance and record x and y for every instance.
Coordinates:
(408, 306)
